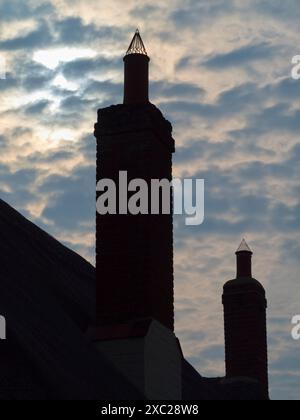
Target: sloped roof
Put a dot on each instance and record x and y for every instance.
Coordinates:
(47, 296)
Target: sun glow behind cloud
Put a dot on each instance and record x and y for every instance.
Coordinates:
(58, 135)
(61, 82)
(51, 58)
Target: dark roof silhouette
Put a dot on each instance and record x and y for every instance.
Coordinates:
(47, 296)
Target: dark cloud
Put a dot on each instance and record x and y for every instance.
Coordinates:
(190, 107)
(288, 89)
(225, 193)
(144, 11)
(73, 195)
(36, 81)
(278, 117)
(76, 103)
(72, 30)
(185, 62)
(194, 14)
(240, 56)
(204, 150)
(170, 90)
(289, 363)
(229, 102)
(53, 156)
(38, 38)
(15, 10)
(284, 385)
(8, 83)
(285, 12)
(77, 69)
(20, 183)
(213, 353)
(291, 250)
(87, 146)
(239, 96)
(107, 92)
(28, 75)
(37, 107)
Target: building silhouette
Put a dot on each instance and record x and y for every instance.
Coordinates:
(134, 264)
(49, 298)
(134, 253)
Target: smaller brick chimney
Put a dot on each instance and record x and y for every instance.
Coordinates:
(245, 304)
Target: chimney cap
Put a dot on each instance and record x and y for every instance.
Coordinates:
(244, 247)
(137, 46)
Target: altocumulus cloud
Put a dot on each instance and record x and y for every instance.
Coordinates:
(221, 74)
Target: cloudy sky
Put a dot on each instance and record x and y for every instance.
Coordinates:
(221, 73)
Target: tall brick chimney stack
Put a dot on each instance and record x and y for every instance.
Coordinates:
(245, 304)
(134, 261)
(134, 252)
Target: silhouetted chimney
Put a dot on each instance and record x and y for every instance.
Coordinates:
(134, 261)
(136, 72)
(245, 304)
(134, 252)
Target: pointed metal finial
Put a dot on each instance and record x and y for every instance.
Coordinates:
(244, 247)
(137, 46)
